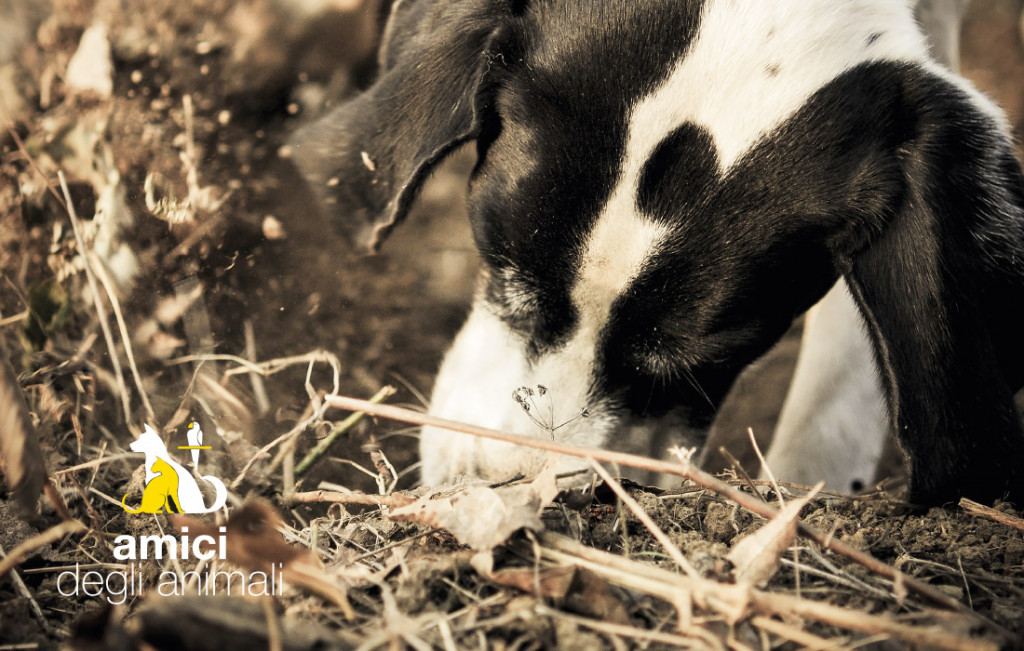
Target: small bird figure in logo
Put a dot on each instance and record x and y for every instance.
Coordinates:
(195, 442)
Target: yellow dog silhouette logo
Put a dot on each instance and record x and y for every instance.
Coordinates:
(170, 487)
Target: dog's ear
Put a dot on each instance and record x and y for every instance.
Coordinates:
(942, 293)
(366, 159)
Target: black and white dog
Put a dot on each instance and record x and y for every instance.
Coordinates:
(662, 186)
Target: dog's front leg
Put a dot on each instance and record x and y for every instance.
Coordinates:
(833, 424)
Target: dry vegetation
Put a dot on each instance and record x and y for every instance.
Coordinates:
(160, 262)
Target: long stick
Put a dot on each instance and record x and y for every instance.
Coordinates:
(321, 448)
(681, 470)
(665, 584)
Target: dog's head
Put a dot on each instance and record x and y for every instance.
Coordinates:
(661, 187)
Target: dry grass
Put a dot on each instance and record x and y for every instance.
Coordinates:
(208, 327)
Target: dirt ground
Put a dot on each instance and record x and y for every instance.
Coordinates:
(209, 255)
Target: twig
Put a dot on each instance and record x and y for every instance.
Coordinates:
(321, 448)
(14, 318)
(742, 472)
(836, 577)
(783, 604)
(764, 466)
(390, 546)
(793, 634)
(101, 311)
(259, 390)
(394, 500)
(81, 566)
(646, 520)
(982, 511)
(99, 462)
(315, 417)
(53, 534)
(735, 601)
(23, 590)
(689, 472)
(632, 632)
(266, 368)
(115, 305)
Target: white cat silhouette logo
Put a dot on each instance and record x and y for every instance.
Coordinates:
(170, 487)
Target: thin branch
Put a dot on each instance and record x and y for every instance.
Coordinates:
(682, 470)
(53, 534)
(764, 466)
(101, 311)
(115, 304)
(394, 500)
(982, 511)
(736, 602)
(321, 448)
(646, 520)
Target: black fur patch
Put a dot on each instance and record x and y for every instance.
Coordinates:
(563, 87)
(888, 175)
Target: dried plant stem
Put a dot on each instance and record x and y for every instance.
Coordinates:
(115, 305)
(764, 466)
(101, 311)
(394, 500)
(267, 368)
(646, 520)
(99, 462)
(735, 602)
(729, 600)
(259, 390)
(53, 534)
(782, 604)
(794, 634)
(23, 590)
(988, 512)
(321, 448)
(682, 470)
(622, 630)
(318, 408)
(742, 472)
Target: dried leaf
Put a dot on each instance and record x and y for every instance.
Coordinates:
(756, 556)
(580, 590)
(254, 542)
(21, 459)
(483, 517)
(550, 582)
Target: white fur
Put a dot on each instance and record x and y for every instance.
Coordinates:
(752, 65)
(487, 362)
(485, 366)
(722, 83)
(833, 425)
